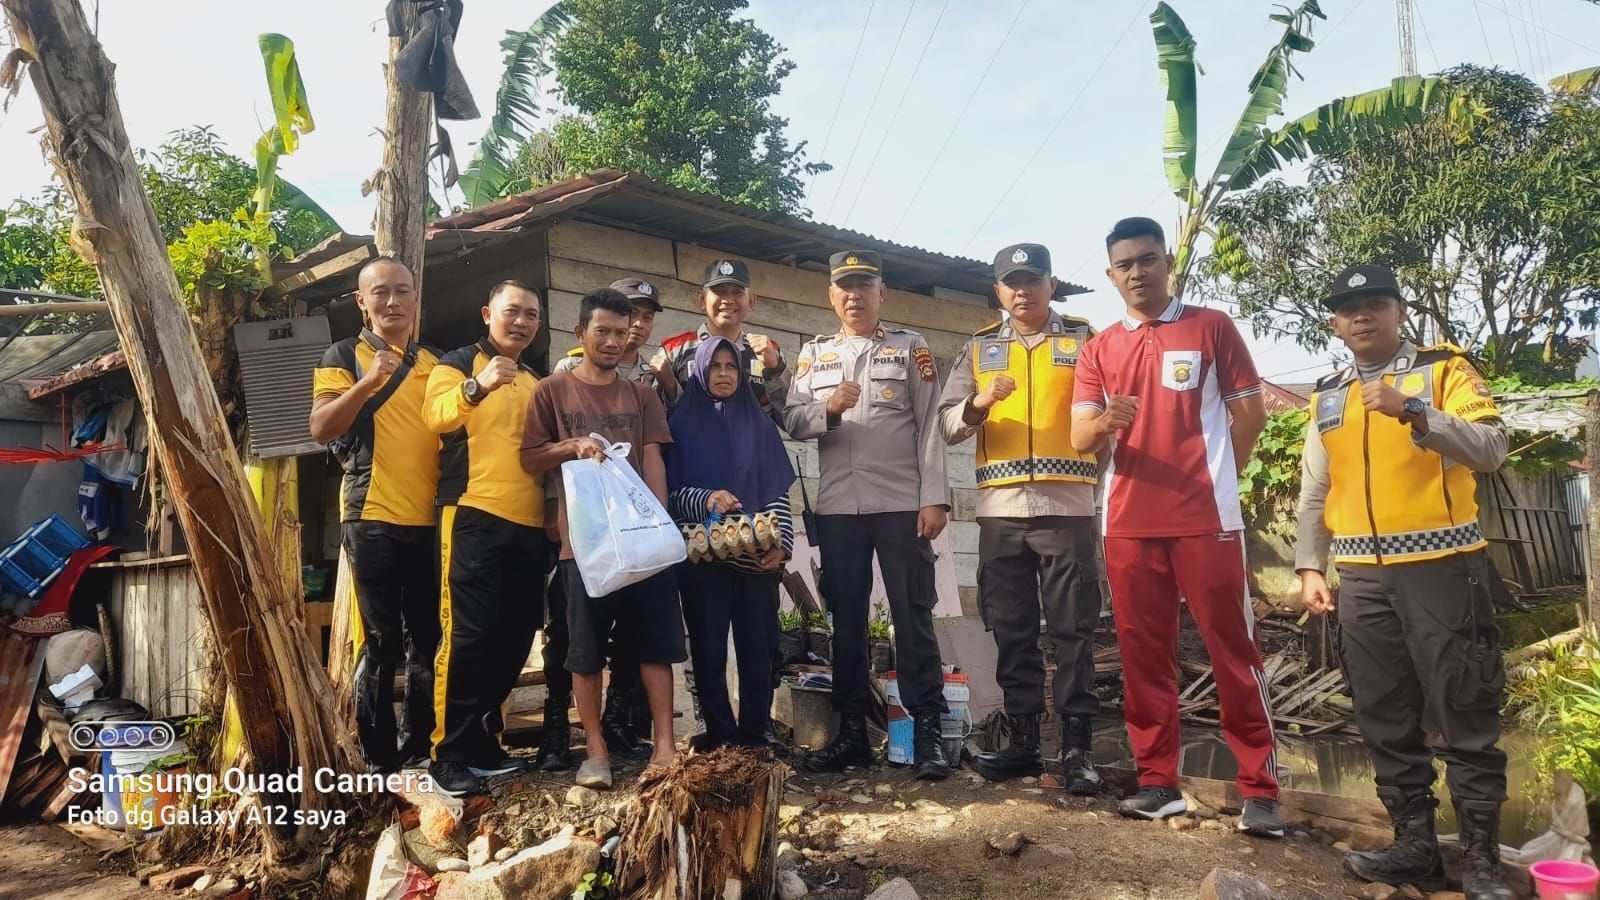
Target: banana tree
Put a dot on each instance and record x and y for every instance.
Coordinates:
(1175, 54)
(1254, 150)
(516, 106)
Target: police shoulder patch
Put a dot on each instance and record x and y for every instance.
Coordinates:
(924, 360)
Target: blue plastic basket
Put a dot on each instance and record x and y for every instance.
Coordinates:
(36, 558)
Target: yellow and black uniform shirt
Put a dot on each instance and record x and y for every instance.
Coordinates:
(480, 464)
(1389, 499)
(392, 461)
(1028, 435)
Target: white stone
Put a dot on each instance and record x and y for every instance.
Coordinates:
(898, 889)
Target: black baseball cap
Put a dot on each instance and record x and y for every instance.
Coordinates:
(1021, 258)
(639, 291)
(726, 271)
(854, 262)
(1360, 281)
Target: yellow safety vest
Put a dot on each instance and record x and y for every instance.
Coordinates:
(1028, 435)
(1389, 500)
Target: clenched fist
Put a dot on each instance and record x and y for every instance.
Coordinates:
(1119, 414)
(384, 362)
(1000, 388)
(662, 369)
(766, 348)
(1381, 397)
(500, 370)
(844, 398)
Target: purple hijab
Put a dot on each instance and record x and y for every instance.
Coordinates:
(733, 448)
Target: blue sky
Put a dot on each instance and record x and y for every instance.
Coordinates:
(1061, 138)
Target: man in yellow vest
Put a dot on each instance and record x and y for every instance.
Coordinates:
(1388, 487)
(1012, 387)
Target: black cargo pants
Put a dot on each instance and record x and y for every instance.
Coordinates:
(1422, 655)
(1029, 565)
(906, 562)
(397, 592)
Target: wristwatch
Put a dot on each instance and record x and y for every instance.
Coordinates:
(471, 390)
(1413, 408)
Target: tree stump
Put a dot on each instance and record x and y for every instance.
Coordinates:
(706, 827)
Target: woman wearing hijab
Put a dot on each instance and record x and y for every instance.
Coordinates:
(727, 457)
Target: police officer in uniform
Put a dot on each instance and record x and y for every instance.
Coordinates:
(1388, 490)
(1012, 387)
(870, 396)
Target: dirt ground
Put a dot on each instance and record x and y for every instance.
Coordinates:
(43, 862)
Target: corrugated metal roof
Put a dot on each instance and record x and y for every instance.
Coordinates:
(42, 356)
(613, 197)
(1281, 399)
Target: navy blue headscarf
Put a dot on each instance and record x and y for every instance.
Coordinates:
(726, 445)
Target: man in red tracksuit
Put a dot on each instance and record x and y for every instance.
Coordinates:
(1172, 389)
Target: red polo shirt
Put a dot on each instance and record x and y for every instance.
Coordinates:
(1172, 471)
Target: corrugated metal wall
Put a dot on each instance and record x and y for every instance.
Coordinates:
(1577, 491)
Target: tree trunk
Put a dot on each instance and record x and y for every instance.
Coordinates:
(1591, 431)
(707, 828)
(281, 691)
(403, 181)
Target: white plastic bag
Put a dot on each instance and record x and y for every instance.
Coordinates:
(620, 533)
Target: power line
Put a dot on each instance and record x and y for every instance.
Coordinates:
(843, 174)
(898, 106)
(1478, 11)
(839, 104)
(1515, 53)
(1051, 133)
(1555, 34)
(957, 123)
(1427, 38)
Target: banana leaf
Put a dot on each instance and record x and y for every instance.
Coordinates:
(1577, 82)
(1407, 100)
(1268, 87)
(1175, 47)
(289, 106)
(516, 106)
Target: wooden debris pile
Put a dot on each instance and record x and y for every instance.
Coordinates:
(706, 826)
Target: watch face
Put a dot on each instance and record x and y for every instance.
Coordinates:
(1413, 406)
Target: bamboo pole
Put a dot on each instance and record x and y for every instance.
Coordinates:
(282, 692)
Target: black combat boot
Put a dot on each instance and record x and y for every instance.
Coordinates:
(555, 741)
(848, 748)
(1078, 773)
(1413, 858)
(1481, 875)
(927, 749)
(1021, 756)
(616, 725)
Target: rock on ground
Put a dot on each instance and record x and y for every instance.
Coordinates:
(177, 879)
(898, 889)
(1226, 884)
(790, 886)
(545, 872)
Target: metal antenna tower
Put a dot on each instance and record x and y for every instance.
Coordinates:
(1405, 20)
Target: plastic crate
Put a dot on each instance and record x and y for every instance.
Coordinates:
(36, 558)
(55, 535)
(16, 579)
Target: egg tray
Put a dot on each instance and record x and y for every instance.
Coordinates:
(736, 536)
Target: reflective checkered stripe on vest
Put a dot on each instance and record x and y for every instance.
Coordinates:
(1390, 501)
(1028, 435)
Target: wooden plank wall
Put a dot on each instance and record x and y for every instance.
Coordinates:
(163, 646)
(1533, 512)
(792, 307)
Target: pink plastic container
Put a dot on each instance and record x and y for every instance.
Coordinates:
(1560, 879)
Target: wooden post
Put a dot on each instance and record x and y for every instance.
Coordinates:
(403, 181)
(1591, 442)
(282, 694)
